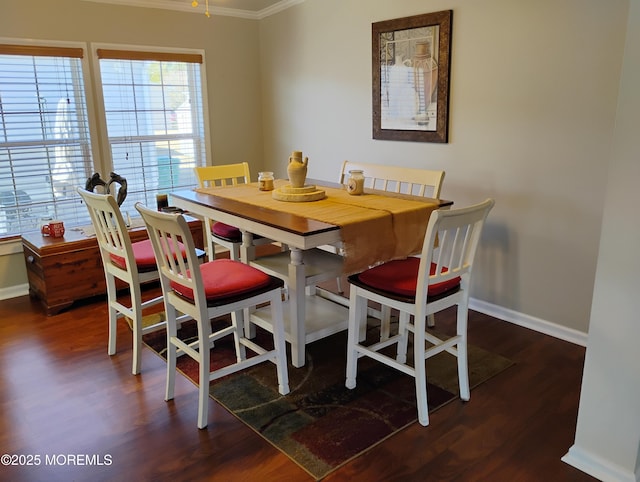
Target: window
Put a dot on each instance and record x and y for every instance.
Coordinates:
(151, 119)
(45, 147)
(153, 111)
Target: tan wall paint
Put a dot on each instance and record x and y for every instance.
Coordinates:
(533, 98)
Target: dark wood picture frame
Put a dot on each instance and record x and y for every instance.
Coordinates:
(411, 67)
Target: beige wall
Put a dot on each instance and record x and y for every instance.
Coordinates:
(533, 98)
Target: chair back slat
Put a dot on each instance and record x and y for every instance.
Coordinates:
(450, 243)
(111, 231)
(166, 232)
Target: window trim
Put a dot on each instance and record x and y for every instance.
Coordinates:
(37, 50)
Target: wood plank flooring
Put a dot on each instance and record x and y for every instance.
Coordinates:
(85, 417)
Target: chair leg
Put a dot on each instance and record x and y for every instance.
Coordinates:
(136, 323)
(211, 246)
(237, 320)
(234, 253)
(357, 317)
(362, 330)
(431, 320)
(420, 375)
(385, 322)
(203, 384)
(113, 330)
(113, 315)
(249, 328)
(403, 333)
(172, 333)
(463, 362)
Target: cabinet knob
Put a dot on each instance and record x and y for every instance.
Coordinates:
(30, 259)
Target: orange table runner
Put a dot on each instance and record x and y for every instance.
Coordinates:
(374, 228)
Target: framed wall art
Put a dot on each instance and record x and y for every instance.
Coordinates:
(411, 67)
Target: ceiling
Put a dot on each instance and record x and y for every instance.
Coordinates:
(255, 9)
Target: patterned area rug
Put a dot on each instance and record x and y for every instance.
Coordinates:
(321, 424)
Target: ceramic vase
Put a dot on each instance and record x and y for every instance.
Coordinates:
(297, 169)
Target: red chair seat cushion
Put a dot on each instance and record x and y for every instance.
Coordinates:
(230, 233)
(223, 278)
(143, 254)
(227, 232)
(401, 277)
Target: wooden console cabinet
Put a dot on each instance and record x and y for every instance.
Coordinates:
(67, 269)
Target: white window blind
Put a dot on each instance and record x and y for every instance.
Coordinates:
(44, 136)
(154, 119)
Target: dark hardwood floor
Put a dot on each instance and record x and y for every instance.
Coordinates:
(63, 398)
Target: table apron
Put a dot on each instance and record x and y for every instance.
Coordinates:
(256, 227)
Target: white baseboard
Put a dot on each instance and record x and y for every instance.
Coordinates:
(597, 467)
(520, 319)
(14, 291)
(542, 326)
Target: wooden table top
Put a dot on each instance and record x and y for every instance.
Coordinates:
(339, 217)
(293, 223)
(298, 225)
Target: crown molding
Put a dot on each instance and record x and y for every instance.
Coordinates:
(221, 11)
(278, 7)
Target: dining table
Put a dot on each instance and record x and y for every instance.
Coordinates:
(370, 229)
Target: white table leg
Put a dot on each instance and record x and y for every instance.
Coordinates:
(297, 305)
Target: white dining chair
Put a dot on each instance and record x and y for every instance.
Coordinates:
(133, 264)
(418, 287)
(124, 261)
(396, 179)
(206, 291)
(217, 232)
